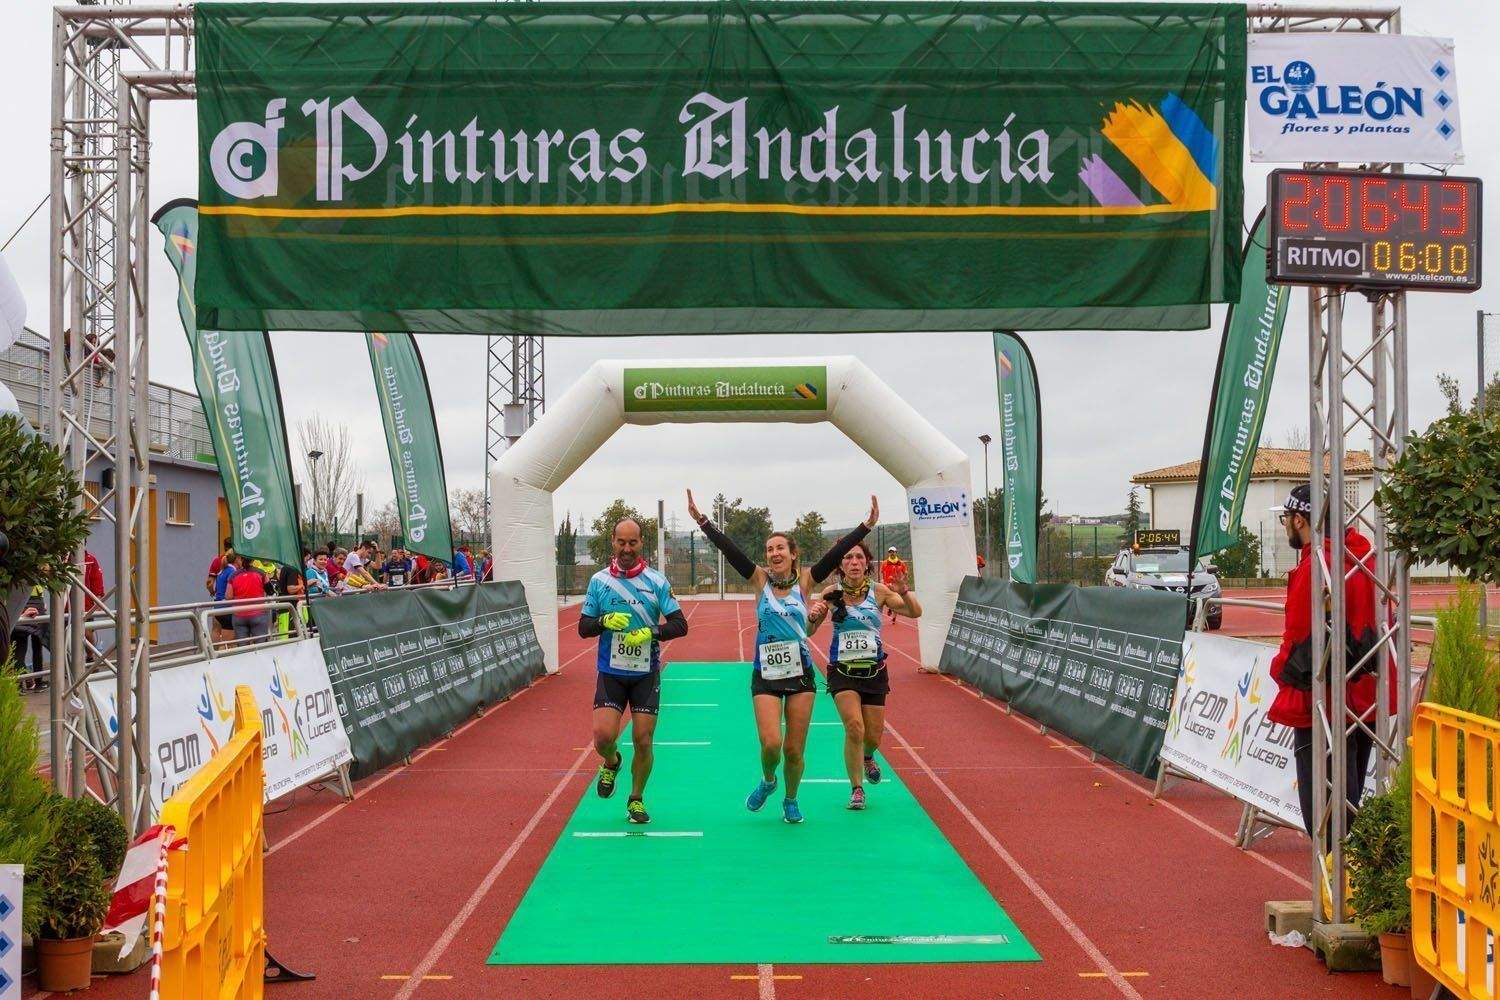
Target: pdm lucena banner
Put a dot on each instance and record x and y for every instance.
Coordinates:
(1097, 663)
(236, 378)
(670, 167)
(1020, 453)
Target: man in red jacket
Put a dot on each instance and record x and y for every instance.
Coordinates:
(1292, 668)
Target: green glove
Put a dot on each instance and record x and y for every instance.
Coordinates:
(615, 621)
(637, 637)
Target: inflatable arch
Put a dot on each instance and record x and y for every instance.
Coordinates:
(854, 400)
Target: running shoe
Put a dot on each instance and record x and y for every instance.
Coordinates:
(790, 812)
(635, 811)
(758, 797)
(856, 799)
(606, 784)
(872, 771)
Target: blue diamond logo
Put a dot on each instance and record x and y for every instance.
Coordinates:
(1440, 71)
(5, 945)
(6, 907)
(1443, 100)
(5, 981)
(1445, 129)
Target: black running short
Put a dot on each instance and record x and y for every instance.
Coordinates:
(642, 693)
(781, 688)
(871, 687)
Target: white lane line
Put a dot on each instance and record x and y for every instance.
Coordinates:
(767, 975)
(1171, 807)
(918, 939)
(417, 755)
(826, 723)
(1122, 779)
(615, 834)
(1101, 963)
(740, 653)
(681, 743)
(824, 781)
(467, 910)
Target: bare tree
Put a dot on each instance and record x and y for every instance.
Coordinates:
(384, 524)
(1295, 437)
(333, 476)
(466, 508)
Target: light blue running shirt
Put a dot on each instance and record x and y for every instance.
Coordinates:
(856, 639)
(781, 650)
(646, 598)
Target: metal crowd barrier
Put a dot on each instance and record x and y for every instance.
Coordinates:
(1455, 851)
(214, 943)
(199, 615)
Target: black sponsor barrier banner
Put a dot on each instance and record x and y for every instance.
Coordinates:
(1096, 663)
(409, 665)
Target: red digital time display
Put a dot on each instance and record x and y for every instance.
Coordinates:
(1369, 229)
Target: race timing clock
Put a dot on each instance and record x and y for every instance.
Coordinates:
(1366, 229)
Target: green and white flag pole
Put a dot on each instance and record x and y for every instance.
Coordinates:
(236, 379)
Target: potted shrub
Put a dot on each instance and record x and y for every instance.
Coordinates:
(77, 901)
(40, 507)
(1378, 850)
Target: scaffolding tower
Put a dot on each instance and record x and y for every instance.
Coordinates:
(111, 62)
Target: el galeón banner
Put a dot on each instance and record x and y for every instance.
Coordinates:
(658, 167)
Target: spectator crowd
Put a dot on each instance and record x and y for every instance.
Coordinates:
(329, 571)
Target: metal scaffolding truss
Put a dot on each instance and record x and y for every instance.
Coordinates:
(515, 395)
(110, 63)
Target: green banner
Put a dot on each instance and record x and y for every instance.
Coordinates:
(1242, 392)
(411, 437)
(236, 379)
(1096, 663)
(1020, 453)
(740, 166)
(721, 389)
(407, 665)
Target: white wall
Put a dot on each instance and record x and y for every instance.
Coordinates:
(1172, 504)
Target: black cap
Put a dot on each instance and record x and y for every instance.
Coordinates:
(1299, 501)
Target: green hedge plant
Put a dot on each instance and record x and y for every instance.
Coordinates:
(69, 875)
(26, 821)
(39, 508)
(1379, 856)
(1442, 497)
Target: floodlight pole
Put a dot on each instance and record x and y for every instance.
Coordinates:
(1484, 590)
(989, 555)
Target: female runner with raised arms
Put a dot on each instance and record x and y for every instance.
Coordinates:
(857, 678)
(782, 680)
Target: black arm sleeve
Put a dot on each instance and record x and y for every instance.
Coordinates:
(824, 567)
(732, 554)
(589, 626)
(673, 627)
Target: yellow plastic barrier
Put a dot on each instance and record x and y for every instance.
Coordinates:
(1449, 806)
(214, 943)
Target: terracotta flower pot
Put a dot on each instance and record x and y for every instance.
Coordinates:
(64, 964)
(1422, 982)
(1395, 959)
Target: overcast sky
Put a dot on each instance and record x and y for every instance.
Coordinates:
(1114, 404)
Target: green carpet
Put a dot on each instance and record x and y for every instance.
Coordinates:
(748, 888)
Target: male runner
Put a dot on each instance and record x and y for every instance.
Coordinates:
(892, 568)
(622, 607)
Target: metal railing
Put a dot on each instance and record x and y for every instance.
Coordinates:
(199, 617)
(1200, 614)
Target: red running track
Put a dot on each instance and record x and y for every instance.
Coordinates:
(1122, 896)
